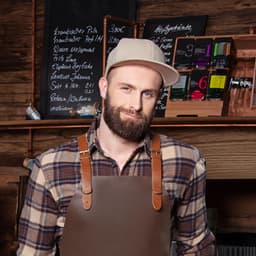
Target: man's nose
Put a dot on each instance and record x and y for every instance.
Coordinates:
(136, 102)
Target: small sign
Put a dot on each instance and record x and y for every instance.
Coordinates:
(179, 90)
(198, 84)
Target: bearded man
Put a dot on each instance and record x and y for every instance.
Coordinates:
(119, 189)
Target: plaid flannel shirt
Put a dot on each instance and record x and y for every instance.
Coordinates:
(56, 176)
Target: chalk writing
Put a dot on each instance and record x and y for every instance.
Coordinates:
(164, 32)
(71, 80)
(115, 33)
(166, 29)
(71, 76)
(72, 53)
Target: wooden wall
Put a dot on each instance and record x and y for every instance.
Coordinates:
(16, 79)
(15, 60)
(224, 17)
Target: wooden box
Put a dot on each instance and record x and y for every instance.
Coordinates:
(243, 65)
(194, 108)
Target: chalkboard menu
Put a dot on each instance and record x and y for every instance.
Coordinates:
(72, 52)
(114, 29)
(164, 32)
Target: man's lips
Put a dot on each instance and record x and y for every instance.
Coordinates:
(132, 115)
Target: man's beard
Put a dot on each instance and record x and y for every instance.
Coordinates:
(132, 130)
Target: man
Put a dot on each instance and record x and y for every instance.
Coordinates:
(119, 146)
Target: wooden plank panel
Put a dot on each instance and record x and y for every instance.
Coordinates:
(15, 76)
(234, 204)
(224, 17)
(8, 207)
(17, 98)
(229, 152)
(226, 149)
(15, 20)
(13, 111)
(8, 195)
(12, 145)
(12, 88)
(46, 139)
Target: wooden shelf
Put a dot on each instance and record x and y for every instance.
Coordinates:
(157, 122)
(245, 46)
(45, 124)
(202, 108)
(243, 65)
(227, 143)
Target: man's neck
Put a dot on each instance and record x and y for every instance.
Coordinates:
(114, 146)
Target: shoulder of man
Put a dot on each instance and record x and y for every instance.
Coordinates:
(66, 152)
(182, 164)
(59, 164)
(172, 148)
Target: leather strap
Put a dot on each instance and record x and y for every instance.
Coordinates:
(156, 165)
(86, 172)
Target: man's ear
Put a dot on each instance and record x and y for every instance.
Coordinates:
(103, 86)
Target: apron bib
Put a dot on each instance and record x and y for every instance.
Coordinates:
(117, 216)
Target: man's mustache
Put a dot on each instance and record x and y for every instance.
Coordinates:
(132, 112)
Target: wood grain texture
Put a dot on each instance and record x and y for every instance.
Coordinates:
(234, 201)
(8, 204)
(224, 17)
(229, 152)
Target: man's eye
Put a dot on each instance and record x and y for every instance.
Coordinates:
(125, 88)
(149, 94)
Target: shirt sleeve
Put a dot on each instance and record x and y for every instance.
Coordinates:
(193, 235)
(38, 222)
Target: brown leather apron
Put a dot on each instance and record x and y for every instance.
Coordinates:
(118, 215)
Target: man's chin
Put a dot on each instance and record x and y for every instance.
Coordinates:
(133, 124)
(131, 136)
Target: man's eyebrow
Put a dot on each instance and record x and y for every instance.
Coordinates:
(127, 84)
(134, 87)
